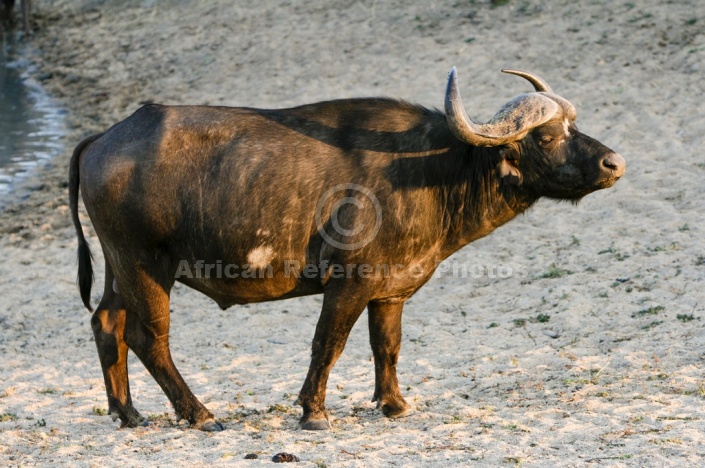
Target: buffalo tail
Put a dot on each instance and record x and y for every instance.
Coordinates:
(85, 258)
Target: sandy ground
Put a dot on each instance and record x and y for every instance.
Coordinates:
(593, 356)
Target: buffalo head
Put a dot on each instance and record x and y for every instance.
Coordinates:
(541, 148)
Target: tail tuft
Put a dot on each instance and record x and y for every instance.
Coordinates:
(85, 273)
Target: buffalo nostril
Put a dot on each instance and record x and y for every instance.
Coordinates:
(609, 164)
(614, 163)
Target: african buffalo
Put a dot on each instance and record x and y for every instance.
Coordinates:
(250, 205)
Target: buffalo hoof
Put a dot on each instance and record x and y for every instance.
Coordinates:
(315, 425)
(394, 409)
(209, 425)
(135, 423)
(393, 412)
(129, 418)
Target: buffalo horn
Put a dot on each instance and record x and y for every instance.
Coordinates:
(539, 84)
(511, 123)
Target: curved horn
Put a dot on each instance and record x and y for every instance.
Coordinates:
(539, 84)
(511, 123)
(460, 124)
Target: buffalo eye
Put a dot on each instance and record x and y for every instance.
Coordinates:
(545, 140)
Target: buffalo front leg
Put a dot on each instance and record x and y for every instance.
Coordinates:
(340, 311)
(385, 339)
(147, 334)
(108, 323)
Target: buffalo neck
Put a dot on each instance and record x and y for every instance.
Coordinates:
(478, 200)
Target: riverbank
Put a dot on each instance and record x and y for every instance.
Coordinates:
(32, 127)
(595, 356)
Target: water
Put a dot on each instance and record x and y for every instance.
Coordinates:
(31, 122)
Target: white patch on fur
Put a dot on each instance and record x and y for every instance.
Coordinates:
(260, 257)
(566, 127)
(115, 286)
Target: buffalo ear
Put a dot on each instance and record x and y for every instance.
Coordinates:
(508, 169)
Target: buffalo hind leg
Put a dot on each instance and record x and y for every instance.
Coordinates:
(108, 323)
(341, 309)
(385, 339)
(147, 334)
